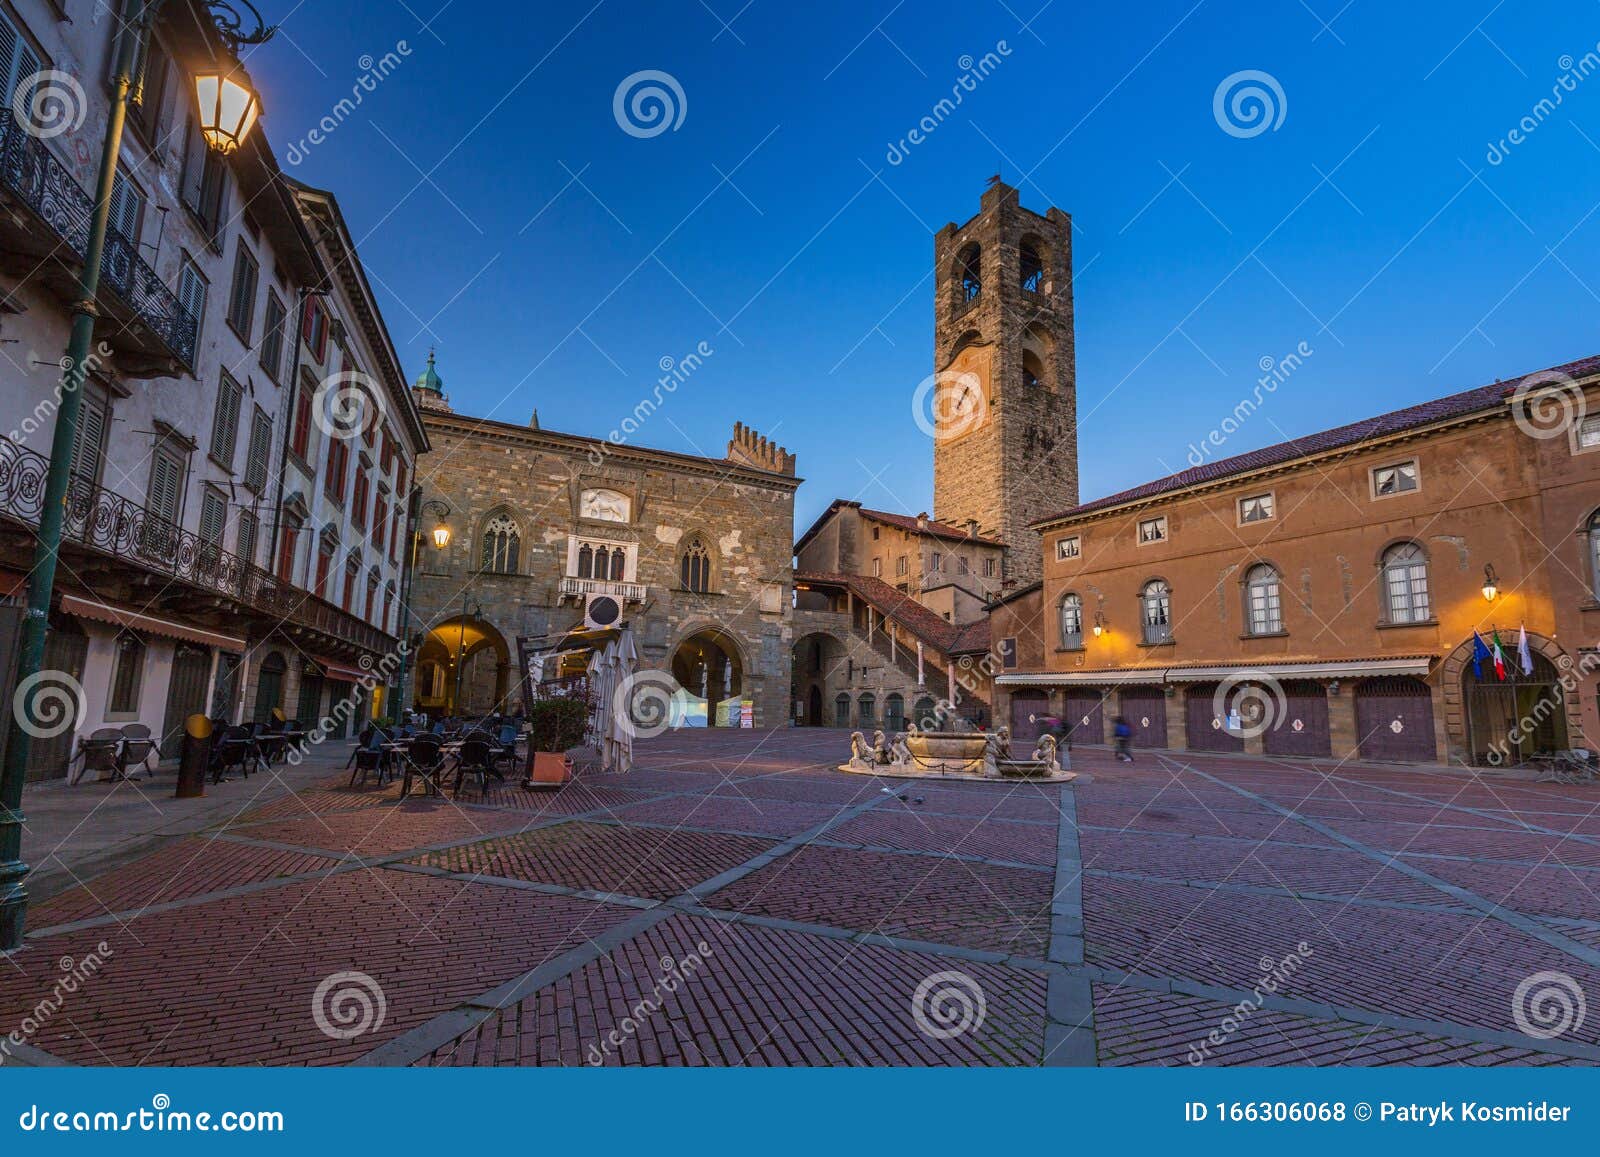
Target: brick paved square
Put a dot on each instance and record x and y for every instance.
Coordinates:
(652, 863)
(381, 831)
(903, 825)
(760, 997)
(774, 817)
(915, 897)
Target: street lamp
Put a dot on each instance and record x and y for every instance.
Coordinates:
(469, 609)
(1491, 583)
(1099, 624)
(441, 539)
(231, 117)
(441, 534)
(228, 108)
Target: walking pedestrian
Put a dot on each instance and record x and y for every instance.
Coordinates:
(1124, 737)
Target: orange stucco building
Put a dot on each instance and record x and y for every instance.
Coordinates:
(1320, 597)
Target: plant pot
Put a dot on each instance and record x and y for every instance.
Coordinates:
(549, 769)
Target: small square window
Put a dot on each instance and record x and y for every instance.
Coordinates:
(1153, 530)
(1401, 478)
(1067, 548)
(1257, 508)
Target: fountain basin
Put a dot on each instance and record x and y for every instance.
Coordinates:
(948, 753)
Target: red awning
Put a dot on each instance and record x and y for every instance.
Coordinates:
(119, 616)
(340, 672)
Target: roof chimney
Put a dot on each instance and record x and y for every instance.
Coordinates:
(922, 521)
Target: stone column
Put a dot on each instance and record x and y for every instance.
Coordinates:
(1342, 721)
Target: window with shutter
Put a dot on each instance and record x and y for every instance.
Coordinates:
(271, 353)
(88, 450)
(166, 485)
(213, 516)
(242, 296)
(17, 59)
(249, 531)
(192, 293)
(257, 463)
(127, 208)
(225, 423)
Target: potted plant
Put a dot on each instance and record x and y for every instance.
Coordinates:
(554, 726)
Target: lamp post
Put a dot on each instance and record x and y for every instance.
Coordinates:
(225, 120)
(441, 539)
(469, 609)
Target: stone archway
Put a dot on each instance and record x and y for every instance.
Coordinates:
(709, 665)
(819, 673)
(1456, 675)
(475, 658)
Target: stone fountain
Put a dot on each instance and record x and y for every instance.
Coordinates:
(956, 749)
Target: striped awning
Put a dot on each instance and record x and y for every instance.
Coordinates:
(127, 617)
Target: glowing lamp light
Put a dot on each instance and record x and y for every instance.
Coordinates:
(441, 535)
(1491, 583)
(229, 108)
(1099, 624)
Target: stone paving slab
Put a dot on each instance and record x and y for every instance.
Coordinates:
(694, 991)
(912, 830)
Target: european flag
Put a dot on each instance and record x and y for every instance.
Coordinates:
(1480, 652)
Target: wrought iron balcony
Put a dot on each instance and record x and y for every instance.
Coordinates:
(627, 592)
(143, 318)
(100, 521)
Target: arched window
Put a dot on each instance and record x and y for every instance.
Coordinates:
(586, 561)
(1031, 275)
(602, 562)
(1032, 370)
(695, 568)
(969, 269)
(894, 712)
(619, 562)
(502, 544)
(1263, 600)
(841, 710)
(1156, 604)
(1594, 555)
(867, 705)
(1405, 583)
(1071, 620)
(371, 612)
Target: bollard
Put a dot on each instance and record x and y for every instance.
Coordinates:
(194, 757)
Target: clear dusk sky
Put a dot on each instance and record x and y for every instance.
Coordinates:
(1388, 221)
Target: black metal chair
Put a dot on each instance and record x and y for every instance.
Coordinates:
(138, 748)
(425, 760)
(270, 743)
(369, 757)
(234, 750)
(477, 755)
(101, 752)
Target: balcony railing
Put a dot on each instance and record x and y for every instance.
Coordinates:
(31, 172)
(97, 519)
(627, 592)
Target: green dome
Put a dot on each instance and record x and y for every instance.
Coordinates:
(429, 379)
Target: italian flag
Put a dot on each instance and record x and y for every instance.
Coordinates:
(1499, 657)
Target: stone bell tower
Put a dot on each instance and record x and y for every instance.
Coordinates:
(1005, 395)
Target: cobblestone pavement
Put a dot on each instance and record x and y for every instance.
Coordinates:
(737, 900)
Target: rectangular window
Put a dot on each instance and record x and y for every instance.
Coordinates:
(258, 461)
(988, 568)
(314, 327)
(877, 568)
(242, 297)
(1400, 478)
(225, 422)
(380, 521)
(358, 499)
(271, 351)
(394, 538)
(1068, 548)
(192, 289)
(127, 209)
(324, 565)
(1257, 508)
(167, 469)
(1589, 433)
(338, 463)
(213, 516)
(89, 448)
(144, 109)
(17, 60)
(288, 541)
(300, 438)
(204, 180)
(936, 563)
(127, 676)
(901, 566)
(249, 531)
(1153, 530)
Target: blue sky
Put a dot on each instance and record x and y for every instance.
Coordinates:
(556, 259)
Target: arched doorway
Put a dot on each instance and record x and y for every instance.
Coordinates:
(813, 714)
(464, 668)
(708, 667)
(1511, 720)
(818, 668)
(269, 687)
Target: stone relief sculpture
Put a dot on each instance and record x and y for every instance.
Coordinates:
(603, 505)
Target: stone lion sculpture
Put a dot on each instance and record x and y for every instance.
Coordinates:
(861, 754)
(900, 751)
(880, 748)
(1045, 752)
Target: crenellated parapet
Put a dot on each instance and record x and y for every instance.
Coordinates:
(749, 448)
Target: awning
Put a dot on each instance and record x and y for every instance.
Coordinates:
(342, 672)
(139, 621)
(12, 582)
(1339, 669)
(1092, 678)
(1335, 669)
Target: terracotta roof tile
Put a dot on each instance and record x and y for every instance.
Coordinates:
(928, 627)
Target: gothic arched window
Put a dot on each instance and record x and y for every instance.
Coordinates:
(695, 569)
(1032, 272)
(502, 544)
(1405, 583)
(969, 270)
(586, 561)
(1071, 620)
(1263, 600)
